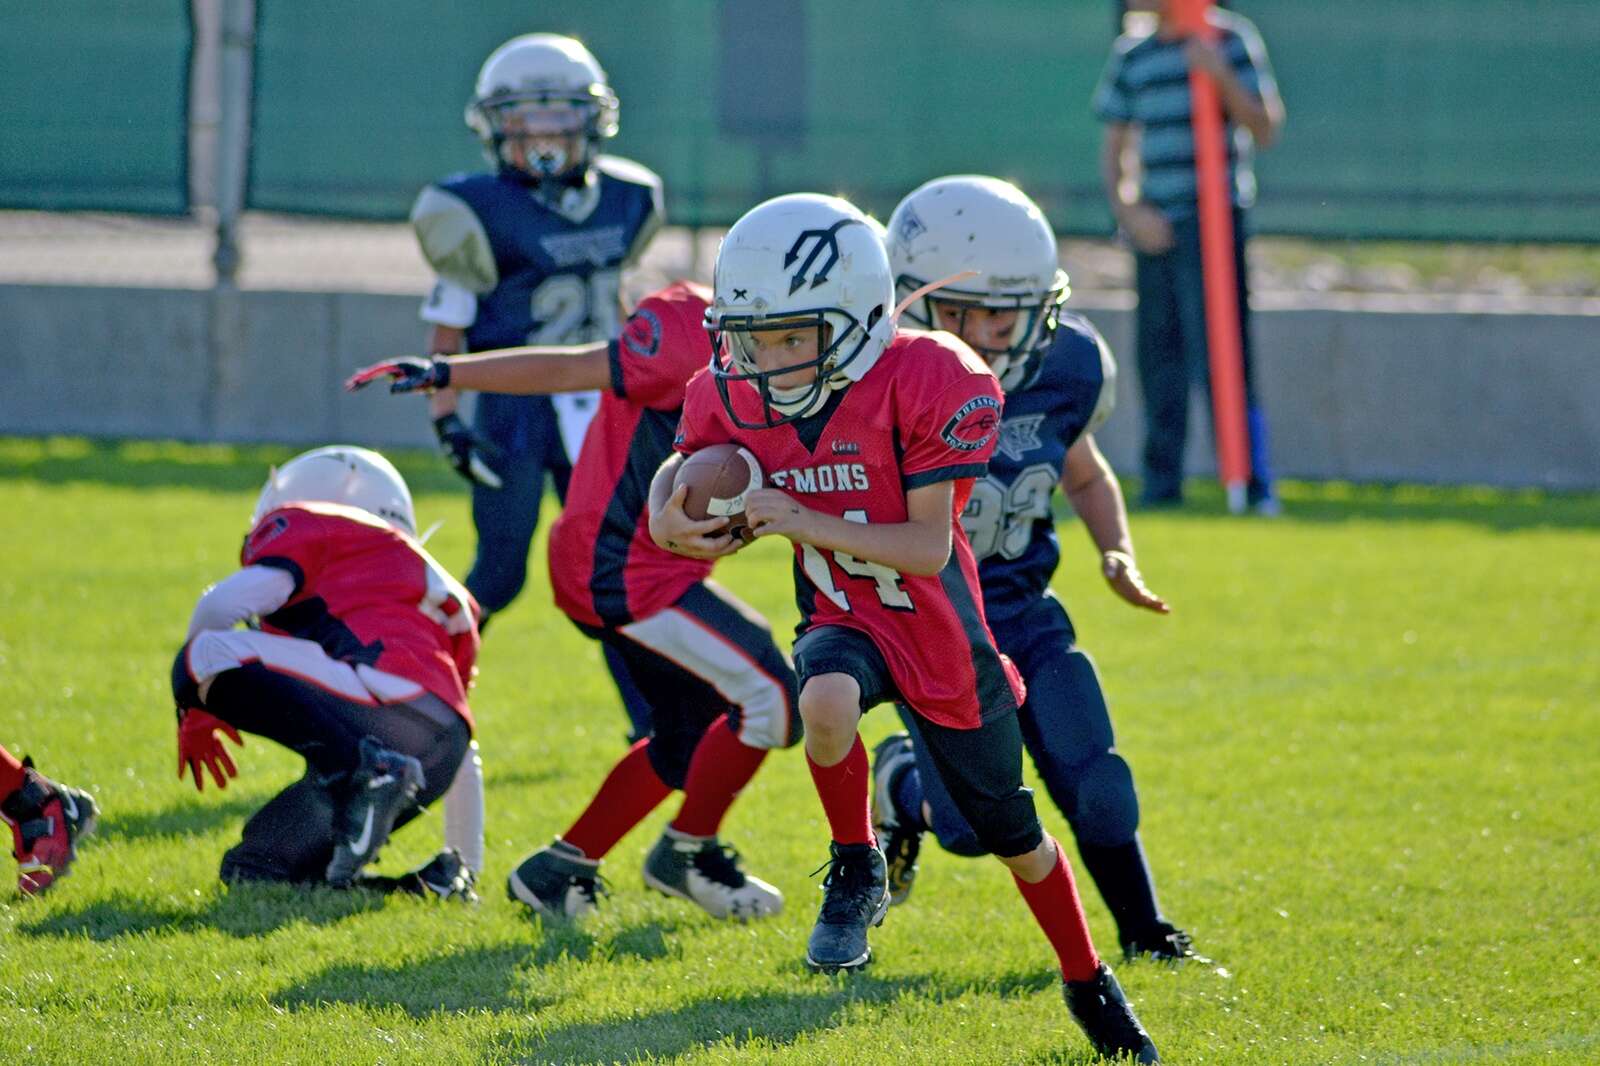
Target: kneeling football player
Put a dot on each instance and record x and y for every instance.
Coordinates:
(1059, 378)
(873, 438)
(361, 665)
(46, 819)
(719, 693)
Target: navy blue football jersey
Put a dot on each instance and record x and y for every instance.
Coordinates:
(1007, 517)
(543, 271)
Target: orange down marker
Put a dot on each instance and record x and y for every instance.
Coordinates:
(1224, 344)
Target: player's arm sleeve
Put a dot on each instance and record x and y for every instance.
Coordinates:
(952, 436)
(449, 304)
(657, 353)
(1112, 101)
(453, 240)
(254, 590)
(697, 428)
(291, 541)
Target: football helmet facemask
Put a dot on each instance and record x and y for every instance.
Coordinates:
(343, 474)
(798, 264)
(541, 107)
(988, 226)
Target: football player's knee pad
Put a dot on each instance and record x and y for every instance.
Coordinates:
(1008, 825)
(669, 756)
(769, 721)
(1107, 810)
(242, 864)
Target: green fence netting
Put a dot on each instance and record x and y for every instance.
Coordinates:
(93, 105)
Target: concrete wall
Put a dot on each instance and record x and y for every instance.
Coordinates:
(1500, 399)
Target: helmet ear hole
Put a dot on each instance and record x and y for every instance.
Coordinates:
(874, 315)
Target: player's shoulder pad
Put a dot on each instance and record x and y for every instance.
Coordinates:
(626, 170)
(453, 238)
(1087, 351)
(939, 353)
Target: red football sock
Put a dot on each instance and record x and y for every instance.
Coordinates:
(1055, 906)
(722, 765)
(842, 788)
(10, 773)
(630, 792)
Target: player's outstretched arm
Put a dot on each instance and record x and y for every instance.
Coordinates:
(526, 371)
(672, 528)
(1092, 489)
(920, 545)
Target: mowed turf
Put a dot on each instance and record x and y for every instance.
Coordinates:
(1365, 743)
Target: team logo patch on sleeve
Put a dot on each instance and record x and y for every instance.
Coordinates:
(642, 334)
(972, 427)
(265, 533)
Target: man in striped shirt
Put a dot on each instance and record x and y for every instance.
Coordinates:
(1144, 100)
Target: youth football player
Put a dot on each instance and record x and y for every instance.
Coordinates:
(530, 253)
(46, 818)
(1059, 381)
(718, 692)
(872, 438)
(361, 665)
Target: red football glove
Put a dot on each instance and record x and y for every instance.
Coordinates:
(199, 745)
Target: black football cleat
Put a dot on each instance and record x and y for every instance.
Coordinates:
(901, 844)
(383, 786)
(558, 882)
(445, 876)
(1165, 943)
(707, 872)
(1107, 1020)
(855, 897)
(47, 819)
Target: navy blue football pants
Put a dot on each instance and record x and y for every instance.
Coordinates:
(525, 432)
(1172, 359)
(1066, 729)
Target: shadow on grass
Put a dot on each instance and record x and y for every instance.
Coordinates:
(183, 819)
(1339, 501)
(479, 979)
(779, 1018)
(160, 464)
(240, 911)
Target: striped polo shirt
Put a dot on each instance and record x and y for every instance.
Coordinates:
(1146, 84)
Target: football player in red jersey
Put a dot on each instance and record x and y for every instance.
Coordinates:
(46, 820)
(872, 437)
(361, 665)
(721, 694)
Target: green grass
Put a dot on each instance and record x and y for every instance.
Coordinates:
(1365, 745)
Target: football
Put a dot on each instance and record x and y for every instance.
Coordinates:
(718, 478)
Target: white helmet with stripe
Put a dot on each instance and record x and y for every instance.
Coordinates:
(343, 474)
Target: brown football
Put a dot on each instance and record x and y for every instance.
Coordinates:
(718, 478)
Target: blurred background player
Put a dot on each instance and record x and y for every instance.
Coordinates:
(46, 818)
(531, 253)
(1144, 100)
(872, 439)
(361, 665)
(718, 691)
(1059, 379)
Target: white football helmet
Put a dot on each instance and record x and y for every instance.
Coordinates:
(795, 262)
(973, 223)
(340, 473)
(550, 90)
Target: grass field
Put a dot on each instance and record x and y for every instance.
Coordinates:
(1365, 742)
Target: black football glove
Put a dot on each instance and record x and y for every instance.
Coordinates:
(406, 374)
(467, 452)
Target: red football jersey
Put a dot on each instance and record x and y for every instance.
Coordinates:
(927, 412)
(369, 593)
(604, 568)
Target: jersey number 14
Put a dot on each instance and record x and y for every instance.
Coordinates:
(886, 581)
